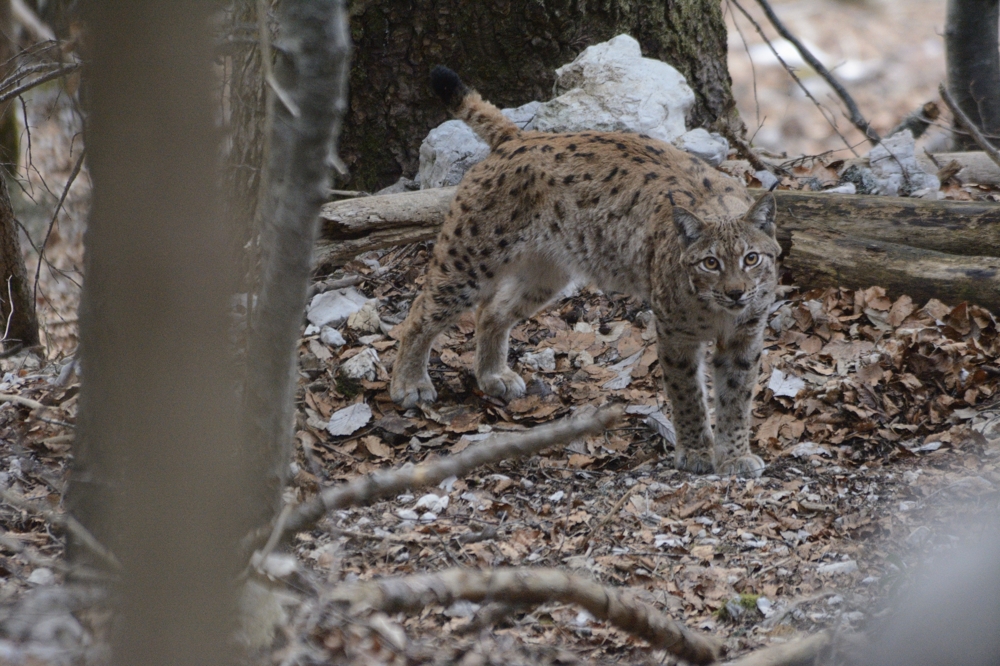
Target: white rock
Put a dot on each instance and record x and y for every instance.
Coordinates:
(611, 87)
(844, 188)
(766, 178)
(452, 148)
(349, 420)
(847, 566)
(712, 148)
(806, 449)
(432, 502)
(366, 319)
(362, 366)
(332, 308)
(408, 514)
(41, 576)
(331, 336)
(544, 360)
(894, 164)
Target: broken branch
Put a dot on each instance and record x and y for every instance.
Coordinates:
(531, 587)
(501, 446)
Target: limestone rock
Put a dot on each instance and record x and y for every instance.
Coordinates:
(332, 308)
(894, 166)
(711, 147)
(611, 87)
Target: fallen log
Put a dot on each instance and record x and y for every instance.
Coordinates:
(962, 236)
(830, 259)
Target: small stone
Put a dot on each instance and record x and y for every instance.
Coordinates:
(41, 576)
(544, 360)
(332, 337)
(711, 147)
(332, 308)
(836, 568)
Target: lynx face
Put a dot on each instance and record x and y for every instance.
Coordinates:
(730, 262)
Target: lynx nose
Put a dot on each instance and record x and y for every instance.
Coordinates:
(735, 295)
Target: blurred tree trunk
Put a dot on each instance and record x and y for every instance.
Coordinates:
(509, 50)
(16, 291)
(973, 63)
(158, 473)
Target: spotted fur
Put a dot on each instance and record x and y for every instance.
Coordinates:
(627, 213)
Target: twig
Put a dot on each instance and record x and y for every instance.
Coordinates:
(45, 78)
(855, 115)
(503, 446)
(21, 400)
(521, 586)
(791, 72)
(803, 651)
(69, 523)
(974, 131)
(55, 215)
(612, 513)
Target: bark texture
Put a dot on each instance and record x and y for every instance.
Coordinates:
(16, 291)
(157, 477)
(508, 50)
(830, 259)
(312, 73)
(973, 64)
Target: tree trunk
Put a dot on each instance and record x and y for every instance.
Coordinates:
(974, 65)
(158, 477)
(508, 50)
(16, 291)
(312, 73)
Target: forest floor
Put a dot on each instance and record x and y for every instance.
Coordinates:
(878, 418)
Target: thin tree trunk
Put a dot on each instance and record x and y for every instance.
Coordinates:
(312, 71)
(974, 64)
(16, 291)
(158, 477)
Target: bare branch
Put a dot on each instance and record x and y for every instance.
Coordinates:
(501, 446)
(520, 586)
(55, 215)
(791, 72)
(855, 115)
(974, 131)
(45, 78)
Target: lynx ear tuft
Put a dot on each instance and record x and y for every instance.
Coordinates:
(689, 227)
(761, 214)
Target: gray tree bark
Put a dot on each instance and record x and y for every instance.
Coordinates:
(17, 300)
(973, 63)
(157, 473)
(312, 68)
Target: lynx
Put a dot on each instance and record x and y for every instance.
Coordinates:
(629, 214)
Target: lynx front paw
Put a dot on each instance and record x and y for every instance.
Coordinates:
(697, 462)
(748, 465)
(409, 393)
(506, 385)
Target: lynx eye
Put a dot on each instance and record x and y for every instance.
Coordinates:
(752, 259)
(710, 263)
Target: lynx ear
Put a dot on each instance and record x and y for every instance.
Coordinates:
(689, 227)
(761, 214)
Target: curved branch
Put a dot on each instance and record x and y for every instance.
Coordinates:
(531, 587)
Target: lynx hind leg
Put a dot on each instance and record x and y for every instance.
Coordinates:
(524, 291)
(682, 365)
(439, 305)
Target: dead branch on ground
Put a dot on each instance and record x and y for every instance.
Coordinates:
(501, 446)
(531, 587)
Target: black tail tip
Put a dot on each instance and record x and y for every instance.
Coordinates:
(447, 85)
